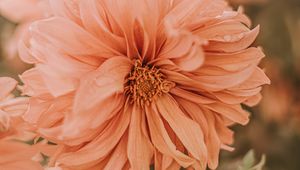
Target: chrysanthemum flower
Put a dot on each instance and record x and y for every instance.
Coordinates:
(122, 84)
(21, 12)
(14, 155)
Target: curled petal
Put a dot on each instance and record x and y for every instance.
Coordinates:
(162, 140)
(7, 85)
(188, 131)
(232, 112)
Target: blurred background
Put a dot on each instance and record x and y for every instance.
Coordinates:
(274, 129)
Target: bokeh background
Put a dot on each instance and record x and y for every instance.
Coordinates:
(274, 129)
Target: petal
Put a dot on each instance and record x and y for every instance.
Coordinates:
(230, 44)
(257, 79)
(186, 10)
(134, 24)
(184, 50)
(61, 73)
(140, 150)
(234, 61)
(193, 97)
(15, 106)
(219, 30)
(216, 79)
(102, 145)
(118, 158)
(195, 112)
(72, 39)
(66, 8)
(123, 17)
(20, 11)
(188, 131)
(11, 44)
(213, 142)
(24, 47)
(232, 112)
(94, 18)
(210, 14)
(162, 161)
(108, 80)
(162, 140)
(182, 80)
(46, 113)
(193, 60)
(224, 133)
(91, 120)
(56, 83)
(244, 91)
(16, 155)
(4, 123)
(253, 101)
(100, 89)
(236, 97)
(7, 85)
(34, 84)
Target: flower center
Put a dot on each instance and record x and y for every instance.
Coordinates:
(145, 83)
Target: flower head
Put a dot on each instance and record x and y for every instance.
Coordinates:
(122, 84)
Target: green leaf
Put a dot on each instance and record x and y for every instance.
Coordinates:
(261, 164)
(248, 162)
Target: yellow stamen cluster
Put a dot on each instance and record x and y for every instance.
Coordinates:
(145, 83)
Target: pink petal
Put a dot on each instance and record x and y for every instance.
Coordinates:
(102, 145)
(95, 20)
(188, 131)
(162, 140)
(232, 112)
(233, 45)
(106, 81)
(7, 85)
(140, 149)
(72, 39)
(20, 11)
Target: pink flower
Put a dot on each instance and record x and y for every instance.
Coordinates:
(122, 84)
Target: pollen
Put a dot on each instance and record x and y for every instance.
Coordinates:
(145, 83)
